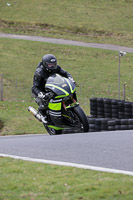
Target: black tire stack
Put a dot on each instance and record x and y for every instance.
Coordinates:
(93, 107)
(107, 108)
(121, 114)
(130, 124)
(104, 124)
(110, 115)
(118, 124)
(111, 125)
(100, 108)
(114, 107)
(91, 122)
(128, 110)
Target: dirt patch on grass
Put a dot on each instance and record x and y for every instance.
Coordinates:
(23, 26)
(43, 27)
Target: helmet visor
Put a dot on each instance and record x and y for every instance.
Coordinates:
(51, 65)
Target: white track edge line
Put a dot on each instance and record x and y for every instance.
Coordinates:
(68, 164)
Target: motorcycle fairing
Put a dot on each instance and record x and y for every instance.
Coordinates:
(61, 86)
(58, 128)
(54, 106)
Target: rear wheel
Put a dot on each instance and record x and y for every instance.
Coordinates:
(52, 131)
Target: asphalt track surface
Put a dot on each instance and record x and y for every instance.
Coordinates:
(67, 42)
(110, 150)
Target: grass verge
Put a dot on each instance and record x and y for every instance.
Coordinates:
(17, 120)
(51, 182)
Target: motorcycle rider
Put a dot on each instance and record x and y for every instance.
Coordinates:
(45, 68)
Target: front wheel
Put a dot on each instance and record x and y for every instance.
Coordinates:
(83, 122)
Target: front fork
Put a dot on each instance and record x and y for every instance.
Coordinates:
(73, 104)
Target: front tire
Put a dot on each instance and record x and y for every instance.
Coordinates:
(83, 119)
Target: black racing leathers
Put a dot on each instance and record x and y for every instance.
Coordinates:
(41, 75)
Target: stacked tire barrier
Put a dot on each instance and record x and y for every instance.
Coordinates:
(110, 115)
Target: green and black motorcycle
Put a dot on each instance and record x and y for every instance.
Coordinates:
(64, 115)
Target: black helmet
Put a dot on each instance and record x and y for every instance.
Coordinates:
(49, 62)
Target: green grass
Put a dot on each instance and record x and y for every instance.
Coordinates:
(91, 68)
(35, 181)
(17, 119)
(89, 20)
(94, 70)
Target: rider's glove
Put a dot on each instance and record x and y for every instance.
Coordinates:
(71, 79)
(41, 95)
(46, 96)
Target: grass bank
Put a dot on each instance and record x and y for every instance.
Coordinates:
(91, 21)
(46, 182)
(94, 70)
(91, 68)
(17, 120)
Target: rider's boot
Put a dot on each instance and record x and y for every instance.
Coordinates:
(42, 111)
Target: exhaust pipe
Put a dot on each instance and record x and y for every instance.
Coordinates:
(37, 115)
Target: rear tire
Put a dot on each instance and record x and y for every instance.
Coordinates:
(52, 131)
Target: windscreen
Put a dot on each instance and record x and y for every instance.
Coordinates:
(55, 79)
